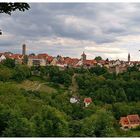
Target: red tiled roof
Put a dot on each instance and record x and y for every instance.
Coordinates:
(101, 61)
(130, 120)
(71, 61)
(50, 58)
(1, 54)
(87, 100)
(89, 62)
(43, 55)
(36, 57)
(33, 57)
(15, 56)
(134, 119)
(124, 121)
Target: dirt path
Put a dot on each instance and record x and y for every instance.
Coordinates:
(74, 87)
(39, 86)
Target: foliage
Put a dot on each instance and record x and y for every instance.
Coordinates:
(5, 73)
(51, 122)
(27, 112)
(10, 63)
(8, 8)
(98, 70)
(98, 58)
(99, 125)
(21, 72)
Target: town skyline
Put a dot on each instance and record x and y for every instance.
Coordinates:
(25, 52)
(68, 32)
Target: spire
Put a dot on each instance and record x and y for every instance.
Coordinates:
(128, 57)
(83, 56)
(83, 53)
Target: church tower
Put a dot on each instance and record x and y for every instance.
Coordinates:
(129, 57)
(83, 56)
(23, 49)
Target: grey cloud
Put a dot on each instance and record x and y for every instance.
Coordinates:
(111, 19)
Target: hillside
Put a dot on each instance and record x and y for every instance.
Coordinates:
(38, 104)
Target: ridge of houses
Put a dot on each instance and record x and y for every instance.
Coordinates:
(44, 59)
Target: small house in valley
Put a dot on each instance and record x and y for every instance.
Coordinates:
(130, 121)
(87, 101)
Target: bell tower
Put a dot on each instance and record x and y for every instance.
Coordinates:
(83, 56)
(23, 49)
(129, 57)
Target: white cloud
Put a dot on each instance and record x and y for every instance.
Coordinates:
(109, 30)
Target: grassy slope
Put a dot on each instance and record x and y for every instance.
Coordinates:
(36, 86)
(45, 88)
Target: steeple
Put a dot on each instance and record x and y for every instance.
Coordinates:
(128, 57)
(83, 56)
(23, 49)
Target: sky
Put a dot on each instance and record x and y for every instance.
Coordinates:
(109, 30)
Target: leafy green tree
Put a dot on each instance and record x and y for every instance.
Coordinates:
(75, 128)
(120, 95)
(10, 63)
(121, 109)
(131, 69)
(100, 124)
(5, 73)
(43, 71)
(25, 59)
(13, 124)
(19, 127)
(105, 95)
(21, 72)
(4, 117)
(98, 70)
(66, 79)
(98, 58)
(51, 122)
(8, 8)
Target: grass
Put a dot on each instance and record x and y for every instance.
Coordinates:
(36, 78)
(33, 85)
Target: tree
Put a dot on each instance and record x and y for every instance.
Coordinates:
(21, 72)
(5, 114)
(100, 124)
(13, 124)
(19, 127)
(98, 70)
(25, 59)
(10, 63)
(8, 8)
(98, 58)
(51, 122)
(105, 95)
(107, 59)
(75, 127)
(5, 73)
(120, 95)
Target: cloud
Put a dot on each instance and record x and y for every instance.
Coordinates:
(105, 50)
(107, 29)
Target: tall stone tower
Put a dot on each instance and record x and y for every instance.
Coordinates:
(83, 56)
(23, 49)
(129, 57)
